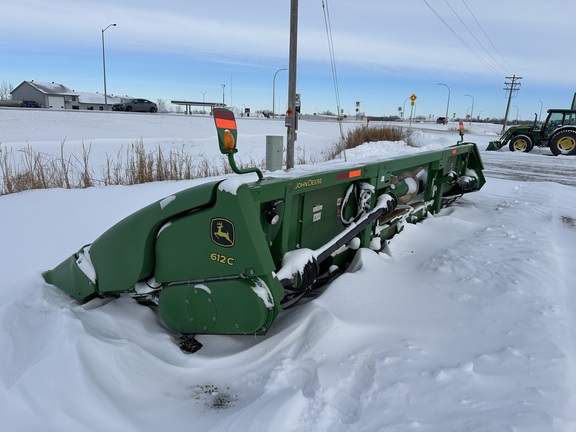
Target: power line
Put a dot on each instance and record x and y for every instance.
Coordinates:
(487, 37)
(462, 41)
(332, 60)
(472, 34)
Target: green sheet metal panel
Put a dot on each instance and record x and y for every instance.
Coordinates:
(224, 240)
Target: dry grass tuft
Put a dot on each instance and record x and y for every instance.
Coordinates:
(365, 134)
(28, 169)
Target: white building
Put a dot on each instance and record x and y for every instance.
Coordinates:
(58, 96)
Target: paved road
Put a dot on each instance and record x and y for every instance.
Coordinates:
(538, 165)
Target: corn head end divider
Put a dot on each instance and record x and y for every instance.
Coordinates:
(225, 257)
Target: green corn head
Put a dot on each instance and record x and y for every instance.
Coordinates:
(227, 256)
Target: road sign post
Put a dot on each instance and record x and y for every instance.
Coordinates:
(412, 101)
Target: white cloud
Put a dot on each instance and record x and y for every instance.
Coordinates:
(373, 38)
(390, 35)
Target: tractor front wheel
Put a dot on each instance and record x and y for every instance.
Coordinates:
(521, 143)
(563, 142)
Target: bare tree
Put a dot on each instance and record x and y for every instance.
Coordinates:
(161, 105)
(5, 90)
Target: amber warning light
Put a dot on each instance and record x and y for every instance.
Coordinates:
(226, 125)
(229, 142)
(227, 136)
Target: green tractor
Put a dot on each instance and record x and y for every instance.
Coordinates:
(558, 132)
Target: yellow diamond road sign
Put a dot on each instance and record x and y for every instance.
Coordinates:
(413, 97)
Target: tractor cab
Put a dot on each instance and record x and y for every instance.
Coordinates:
(557, 118)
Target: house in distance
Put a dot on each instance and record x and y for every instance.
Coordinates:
(58, 96)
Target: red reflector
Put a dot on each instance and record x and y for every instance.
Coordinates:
(349, 175)
(454, 151)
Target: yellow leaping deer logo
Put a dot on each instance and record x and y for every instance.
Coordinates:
(222, 232)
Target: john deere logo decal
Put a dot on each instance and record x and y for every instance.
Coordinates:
(222, 232)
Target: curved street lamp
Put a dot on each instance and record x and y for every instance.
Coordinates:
(472, 110)
(448, 103)
(404, 107)
(274, 91)
(104, 66)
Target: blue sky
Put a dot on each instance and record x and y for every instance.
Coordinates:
(384, 51)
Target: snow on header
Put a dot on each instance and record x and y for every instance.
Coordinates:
(164, 203)
(231, 185)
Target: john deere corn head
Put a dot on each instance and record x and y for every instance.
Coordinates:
(227, 256)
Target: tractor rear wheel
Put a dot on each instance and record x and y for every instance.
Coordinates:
(563, 142)
(521, 143)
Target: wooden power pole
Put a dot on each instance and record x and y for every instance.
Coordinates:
(512, 87)
(291, 114)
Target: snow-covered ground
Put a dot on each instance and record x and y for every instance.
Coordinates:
(468, 326)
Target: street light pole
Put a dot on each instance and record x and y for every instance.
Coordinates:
(223, 87)
(448, 103)
(404, 107)
(472, 110)
(274, 91)
(203, 101)
(104, 66)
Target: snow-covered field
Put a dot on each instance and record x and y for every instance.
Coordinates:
(468, 326)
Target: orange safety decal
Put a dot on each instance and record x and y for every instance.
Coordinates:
(224, 119)
(349, 175)
(454, 151)
(222, 123)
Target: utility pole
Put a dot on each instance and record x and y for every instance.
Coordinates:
(104, 66)
(512, 87)
(291, 121)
